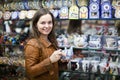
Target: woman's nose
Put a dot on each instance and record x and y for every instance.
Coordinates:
(46, 25)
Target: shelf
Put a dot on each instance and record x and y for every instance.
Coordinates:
(92, 19)
(86, 76)
(92, 49)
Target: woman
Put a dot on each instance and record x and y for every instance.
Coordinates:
(41, 51)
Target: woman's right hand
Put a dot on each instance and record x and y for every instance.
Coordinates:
(56, 55)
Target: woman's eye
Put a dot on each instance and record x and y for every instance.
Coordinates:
(50, 22)
(42, 22)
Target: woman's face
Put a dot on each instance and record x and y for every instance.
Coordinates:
(45, 24)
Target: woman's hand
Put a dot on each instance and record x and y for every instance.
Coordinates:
(56, 55)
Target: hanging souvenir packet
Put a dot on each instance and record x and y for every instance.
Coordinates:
(109, 42)
(95, 42)
(80, 41)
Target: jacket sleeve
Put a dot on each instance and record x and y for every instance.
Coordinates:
(35, 66)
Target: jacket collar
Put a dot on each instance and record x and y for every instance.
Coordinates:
(45, 42)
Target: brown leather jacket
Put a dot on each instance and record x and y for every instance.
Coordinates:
(37, 61)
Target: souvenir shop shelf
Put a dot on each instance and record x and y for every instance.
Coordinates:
(79, 75)
(16, 14)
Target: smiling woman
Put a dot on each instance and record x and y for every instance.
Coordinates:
(41, 51)
(44, 24)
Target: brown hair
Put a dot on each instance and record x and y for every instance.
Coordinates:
(35, 32)
(74, 27)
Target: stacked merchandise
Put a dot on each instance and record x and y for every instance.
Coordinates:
(91, 56)
(14, 30)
